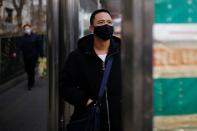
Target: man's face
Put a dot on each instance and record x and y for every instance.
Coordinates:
(102, 26)
(102, 18)
(27, 29)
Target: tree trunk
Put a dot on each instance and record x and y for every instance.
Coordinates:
(39, 20)
(19, 20)
(32, 13)
(19, 9)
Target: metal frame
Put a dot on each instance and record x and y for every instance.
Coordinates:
(62, 17)
(69, 27)
(137, 64)
(0, 54)
(53, 57)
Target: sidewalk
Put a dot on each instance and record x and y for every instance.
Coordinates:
(23, 110)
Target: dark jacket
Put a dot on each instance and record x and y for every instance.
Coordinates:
(30, 45)
(81, 78)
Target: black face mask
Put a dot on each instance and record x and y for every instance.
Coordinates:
(104, 32)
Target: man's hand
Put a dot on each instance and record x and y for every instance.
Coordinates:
(89, 102)
(14, 54)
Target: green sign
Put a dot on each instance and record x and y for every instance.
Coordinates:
(175, 11)
(175, 96)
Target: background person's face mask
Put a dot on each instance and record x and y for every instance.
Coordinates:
(27, 31)
(104, 32)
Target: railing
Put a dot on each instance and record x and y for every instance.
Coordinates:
(10, 66)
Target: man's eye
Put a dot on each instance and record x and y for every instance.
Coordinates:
(101, 22)
(109, 22)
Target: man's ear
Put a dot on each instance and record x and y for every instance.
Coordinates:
(91, 28)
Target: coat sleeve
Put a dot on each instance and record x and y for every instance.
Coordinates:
(18, 45)
(39, 44)
(69, 83)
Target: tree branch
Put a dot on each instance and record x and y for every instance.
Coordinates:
(22, 2)
(15, 5)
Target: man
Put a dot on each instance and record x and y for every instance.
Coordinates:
(83, 72)
(31, 47)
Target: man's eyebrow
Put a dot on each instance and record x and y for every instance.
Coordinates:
(101, 20)
(104, 20)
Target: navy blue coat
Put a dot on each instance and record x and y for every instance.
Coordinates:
(81, 78)
(30, 45)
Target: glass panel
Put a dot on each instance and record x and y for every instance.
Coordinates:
(175, 63)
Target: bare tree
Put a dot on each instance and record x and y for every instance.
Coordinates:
(18, 5)
(1, 4)
(32, 13)
(40, 6)
(39, 22)
(37, 15)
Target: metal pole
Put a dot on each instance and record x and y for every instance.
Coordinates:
(53, 57)
(137, 64)
(69, 26)
(0, 56)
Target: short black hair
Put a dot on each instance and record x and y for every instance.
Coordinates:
(96, 12)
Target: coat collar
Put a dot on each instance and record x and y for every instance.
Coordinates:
(85, 44)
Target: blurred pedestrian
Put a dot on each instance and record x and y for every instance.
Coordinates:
(31, 46)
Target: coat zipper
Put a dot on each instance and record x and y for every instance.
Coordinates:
(103, 65)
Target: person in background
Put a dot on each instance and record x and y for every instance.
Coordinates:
(30, 44)
(83, 72)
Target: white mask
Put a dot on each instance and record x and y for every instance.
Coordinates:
(28, 31)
